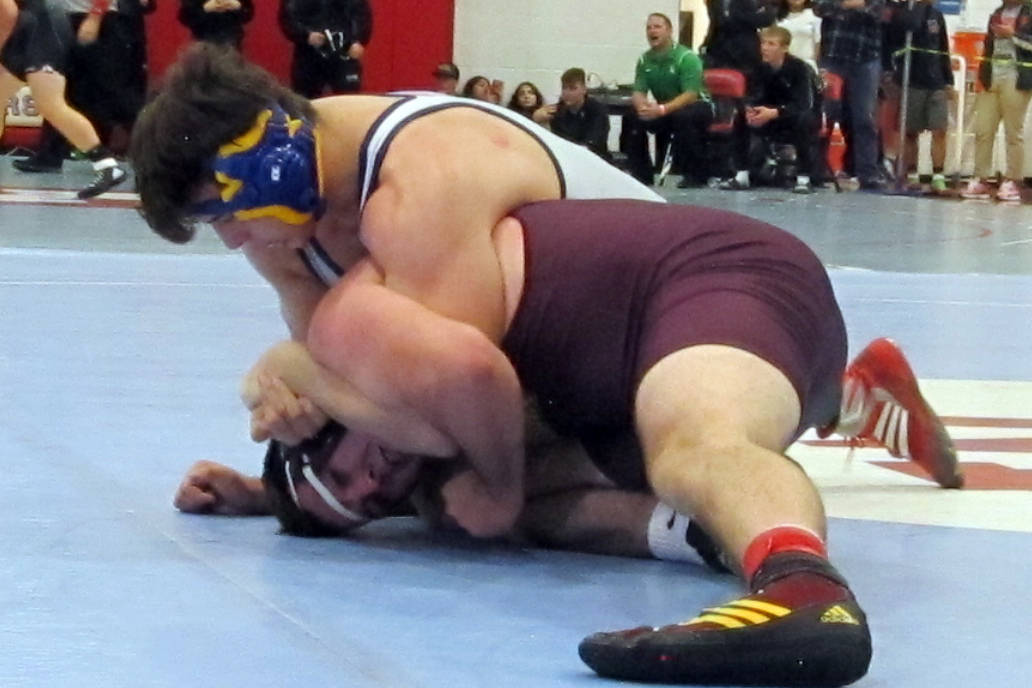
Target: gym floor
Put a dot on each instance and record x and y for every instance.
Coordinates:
(120, 356)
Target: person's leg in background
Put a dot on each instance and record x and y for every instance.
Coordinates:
(634, 139)
(863, 95)
(987, 121)
(1013, 106)
(690, 125)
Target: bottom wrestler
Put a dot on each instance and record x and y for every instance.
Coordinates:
(36, 52)
(715, 338)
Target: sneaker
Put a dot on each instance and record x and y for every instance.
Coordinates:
(882, 405)
(105, 180)
(1008, 191)
(803, 629)
(938, 184)
(975, 188)
(801, 188)
(36, 164)
(733, 185)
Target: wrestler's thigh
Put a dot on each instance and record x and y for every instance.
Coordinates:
(715, 394)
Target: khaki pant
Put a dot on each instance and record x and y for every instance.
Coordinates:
(1001, 101)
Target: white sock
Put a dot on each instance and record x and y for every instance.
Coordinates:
(802, 180)
(742, 177)
(668, 536)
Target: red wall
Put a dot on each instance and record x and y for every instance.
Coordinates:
(409, 38)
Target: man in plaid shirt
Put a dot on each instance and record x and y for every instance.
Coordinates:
(851, 35)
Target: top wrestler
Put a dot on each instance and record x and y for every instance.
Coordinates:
(353, 173)
(35, 40)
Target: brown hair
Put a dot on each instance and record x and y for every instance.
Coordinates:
(210, 96)
(573, 76)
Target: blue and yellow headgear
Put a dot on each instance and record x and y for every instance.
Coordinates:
(271, 170)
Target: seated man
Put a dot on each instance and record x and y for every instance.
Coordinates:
(673, 74)
(578, 117)
(785, 109)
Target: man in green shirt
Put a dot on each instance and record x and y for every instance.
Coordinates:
(673, 75)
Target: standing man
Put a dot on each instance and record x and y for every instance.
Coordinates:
(785, 109)
(731, 41)
(851, 47)
(673, 75)
(329, 39)
(1006, 75)
(931, 87)
(578, 118)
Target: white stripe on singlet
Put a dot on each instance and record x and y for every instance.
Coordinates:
(581, 173)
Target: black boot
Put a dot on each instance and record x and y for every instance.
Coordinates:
(109, 173)
(37, 163)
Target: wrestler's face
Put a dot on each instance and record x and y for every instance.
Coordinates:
(658, 34)
(364, 477)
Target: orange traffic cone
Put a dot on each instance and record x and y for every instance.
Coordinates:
(836, 151)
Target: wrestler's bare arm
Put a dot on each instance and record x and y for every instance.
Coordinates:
(291, 362)
(429, 227)
(403, 355)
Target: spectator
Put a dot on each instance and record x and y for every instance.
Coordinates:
(673, 75)
(931, 87)
(785, 108)
(797, 16)
(106, 77)
(478, 88)
(526, 100)
(851, 47)
(578, 117)
(731, 41)
(216, 21)
(446, 78)
(37, 38)
(329, 38)
(1006, 75)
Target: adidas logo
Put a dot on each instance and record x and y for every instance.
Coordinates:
(839, 614)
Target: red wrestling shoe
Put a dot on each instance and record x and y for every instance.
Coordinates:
(801, 627)
(881, 404)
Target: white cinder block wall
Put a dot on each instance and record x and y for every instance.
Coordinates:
(537, 40)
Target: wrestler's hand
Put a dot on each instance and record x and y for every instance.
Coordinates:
(212, 488)
(475, 509)
(282, 415)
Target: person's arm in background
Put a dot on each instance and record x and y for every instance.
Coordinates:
(755, 13)
(690, 71)
(640, 93)
(8, 18)
(362, 24)
(597, 137)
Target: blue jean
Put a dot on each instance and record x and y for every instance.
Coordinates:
(861, 86)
